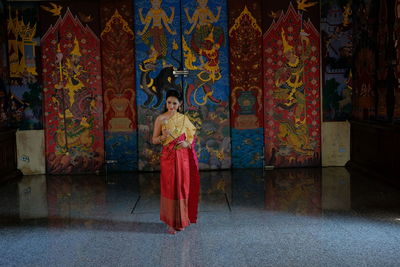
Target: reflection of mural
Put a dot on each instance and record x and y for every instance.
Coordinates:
(76, 201)
(23, 54)
(336, 33)
(396, 113)
(291, 60)
(157, 55)
(73, 102)
(118, 85)
(245, 41)
(364, 42)
(296, 191)
(206, 87)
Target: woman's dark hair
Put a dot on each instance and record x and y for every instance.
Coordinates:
(174, 93)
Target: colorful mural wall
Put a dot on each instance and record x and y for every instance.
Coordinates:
(245, 47)
(105, 67)
(336, 40)
(24, 64)
(72, 88)
(291, 55)
(119, 93)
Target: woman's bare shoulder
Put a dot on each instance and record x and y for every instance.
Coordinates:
(161, 117)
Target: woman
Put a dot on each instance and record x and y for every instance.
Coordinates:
(180, 180)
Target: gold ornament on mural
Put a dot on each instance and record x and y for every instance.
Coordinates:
(303, 4)
(117, 18)
(55, 10)
(239, 19)
(346, 14)
(189, 56)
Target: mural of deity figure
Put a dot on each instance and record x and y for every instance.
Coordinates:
(290, 91)
(72, 72)
(206, 41)
(155, 32)
(75, 102)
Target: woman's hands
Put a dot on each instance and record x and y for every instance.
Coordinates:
(182, 144)
(164, 135)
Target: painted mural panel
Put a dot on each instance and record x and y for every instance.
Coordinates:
(24, 57)
(245, 47)
(396, 111)
(292, 89)
(336, 34)
(205, 51)
(157, 54)
(118, 74)
(364, 42)
(4, 72)
(72, 88)
(295, 191)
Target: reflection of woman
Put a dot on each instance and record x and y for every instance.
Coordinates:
(180, 178)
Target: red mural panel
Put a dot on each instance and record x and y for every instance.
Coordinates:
(245, 42)
(396, 112)
(72, 96)
(292, 91)
(117, 57)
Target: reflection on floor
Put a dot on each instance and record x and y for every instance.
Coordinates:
(294, 217)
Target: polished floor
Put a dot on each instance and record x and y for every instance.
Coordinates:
(287, 217)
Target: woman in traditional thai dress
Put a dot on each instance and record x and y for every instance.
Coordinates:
(180, 180)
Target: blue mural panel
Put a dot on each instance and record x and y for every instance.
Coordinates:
(121, 150)
(158, 53)
(206, 89)
(250, 143)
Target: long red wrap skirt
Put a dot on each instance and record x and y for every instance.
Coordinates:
(180, 185)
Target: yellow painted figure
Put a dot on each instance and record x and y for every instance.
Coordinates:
(290, 91)
(154, 22)
(202, 16)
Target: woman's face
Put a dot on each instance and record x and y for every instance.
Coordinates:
(172, 103)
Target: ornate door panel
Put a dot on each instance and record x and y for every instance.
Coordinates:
(119, 94)
(190, 35)
(292, 86)
(72, 87)
(245, 47)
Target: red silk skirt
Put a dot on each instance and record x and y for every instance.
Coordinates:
(180, 185)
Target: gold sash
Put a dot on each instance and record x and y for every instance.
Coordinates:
(177, 125)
